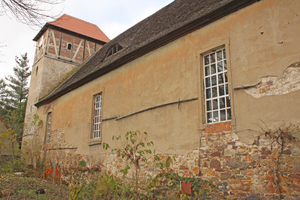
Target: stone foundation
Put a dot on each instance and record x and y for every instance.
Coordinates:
(238, 170)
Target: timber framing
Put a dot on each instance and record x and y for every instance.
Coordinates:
(50, 26)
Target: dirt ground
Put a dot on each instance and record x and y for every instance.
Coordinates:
(14, 186)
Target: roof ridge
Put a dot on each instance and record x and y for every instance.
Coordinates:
(78, 19)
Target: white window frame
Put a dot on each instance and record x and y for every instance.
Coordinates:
(97, 116)
(216, 91)
(48, 127)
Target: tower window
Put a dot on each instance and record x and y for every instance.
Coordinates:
(69, 46)
(114, 49)
(36, 70)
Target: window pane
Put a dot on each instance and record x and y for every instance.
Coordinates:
(212, 58)
(219, 55)
(208, 93)
(226, 88)
(221, 90)
(220, 66)
(206, 60)
(223, 115)
(228, 102)
(214, 80)
(228, 114)
(207, 71)
(214, 92)
(208, 105)
(109, 53)
(220, 78)
(215, 104)
(225, 65)
(207, 82)
(209, 117)
(224, 53)
(226, 79)
(222, 103)
(216, 116)
(213, 69)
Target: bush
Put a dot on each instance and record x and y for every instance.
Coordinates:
(111, 187)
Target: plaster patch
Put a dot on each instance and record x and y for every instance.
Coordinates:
(270, 85)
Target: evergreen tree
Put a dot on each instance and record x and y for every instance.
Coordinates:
(17, 95)
(3, 98)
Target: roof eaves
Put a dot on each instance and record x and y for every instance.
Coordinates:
(47, 25)
(169, 36)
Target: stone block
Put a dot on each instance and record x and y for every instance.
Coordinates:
(265, 151)
(231, 163)
(229, 152)
(234, 181)
(216, 154)
(242, 149)
(215, 164)
(225, 176)
(222, 186)
(296, 168)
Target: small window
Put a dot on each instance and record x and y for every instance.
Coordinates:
(217, 102)
(69, 46)
(97, 116)
(114, 49)
(36, 70)
(48, 128)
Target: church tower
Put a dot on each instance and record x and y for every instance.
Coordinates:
(61, 46)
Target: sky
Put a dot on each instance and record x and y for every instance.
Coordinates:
(111, 16)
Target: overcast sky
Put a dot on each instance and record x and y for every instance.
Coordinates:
(111, 16)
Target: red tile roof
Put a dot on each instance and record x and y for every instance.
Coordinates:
(79, 26)
(76, 25)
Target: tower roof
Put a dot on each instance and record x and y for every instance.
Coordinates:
(75, 25)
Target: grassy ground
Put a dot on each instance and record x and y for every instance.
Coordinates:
(26, 187)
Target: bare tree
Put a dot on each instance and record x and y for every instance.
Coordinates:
(30, 12)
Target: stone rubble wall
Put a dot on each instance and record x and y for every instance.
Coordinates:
(238, 170)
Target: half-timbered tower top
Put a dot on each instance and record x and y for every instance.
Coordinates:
(69, 39)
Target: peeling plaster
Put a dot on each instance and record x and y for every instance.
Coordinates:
(270, 85)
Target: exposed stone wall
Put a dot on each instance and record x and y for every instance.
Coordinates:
(270, 85)
(238, 170)
(244, 170)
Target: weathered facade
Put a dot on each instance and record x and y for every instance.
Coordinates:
(204, 80)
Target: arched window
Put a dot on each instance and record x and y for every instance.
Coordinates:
(114, 49)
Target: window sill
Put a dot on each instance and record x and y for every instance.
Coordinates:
(96, 141)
